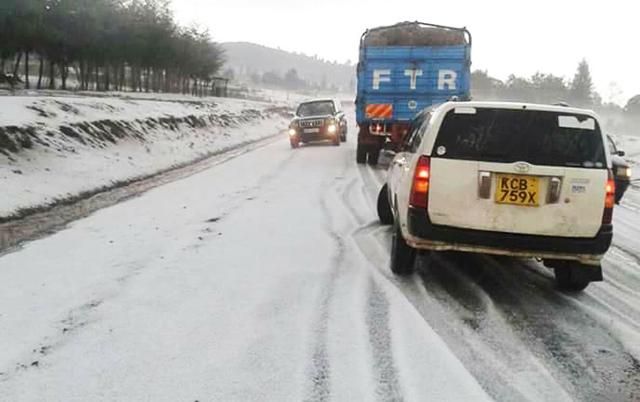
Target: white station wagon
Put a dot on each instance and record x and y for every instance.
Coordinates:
(511, 179)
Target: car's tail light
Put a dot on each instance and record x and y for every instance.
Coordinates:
(609, 200)
(420, 187)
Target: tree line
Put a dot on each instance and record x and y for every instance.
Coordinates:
(543, 88)
(291, 81)
(550, 89)
(105, 45)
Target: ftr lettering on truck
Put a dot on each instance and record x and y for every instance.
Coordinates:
(446, 78)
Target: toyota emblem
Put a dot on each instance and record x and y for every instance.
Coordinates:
(522, 167)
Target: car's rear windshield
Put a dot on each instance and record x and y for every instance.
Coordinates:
(537, 137)
(315, 109)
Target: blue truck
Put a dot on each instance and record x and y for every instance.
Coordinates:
(403, 69)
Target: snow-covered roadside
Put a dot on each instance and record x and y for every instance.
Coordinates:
(55, 148)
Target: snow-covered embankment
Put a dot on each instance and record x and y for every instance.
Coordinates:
(60, 148)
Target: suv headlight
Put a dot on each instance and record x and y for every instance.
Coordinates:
(292, 132)
(332, 128)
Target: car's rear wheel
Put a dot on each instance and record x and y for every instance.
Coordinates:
(374, 155)
(403, 256)
(384, 207)
(568, 278)
(361, 154)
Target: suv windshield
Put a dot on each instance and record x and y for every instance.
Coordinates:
(537, 137)
(315, 109)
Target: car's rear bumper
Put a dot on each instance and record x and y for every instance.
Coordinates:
(425, 235)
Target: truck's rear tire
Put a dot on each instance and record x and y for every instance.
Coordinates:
(384, 207)
(361, 154)
(374, 155)
(403, 256)
(569, 278)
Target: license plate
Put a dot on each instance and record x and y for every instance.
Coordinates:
(518, 190)
(311, 130)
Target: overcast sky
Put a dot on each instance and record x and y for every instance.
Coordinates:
(508, 36)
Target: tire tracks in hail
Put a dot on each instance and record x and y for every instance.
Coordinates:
(578, 348)
(319, 370)
(377, 318)
(387, 382)
(377, 315)
(377, 306)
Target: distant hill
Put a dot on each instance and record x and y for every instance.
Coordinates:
(250, 61)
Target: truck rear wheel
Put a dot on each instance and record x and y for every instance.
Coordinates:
(361, 154)
(374, 155)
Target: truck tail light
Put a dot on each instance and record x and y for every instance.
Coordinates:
(377, 128)
(420, 186)
(609, 200)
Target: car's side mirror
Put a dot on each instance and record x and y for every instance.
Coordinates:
(620, 153)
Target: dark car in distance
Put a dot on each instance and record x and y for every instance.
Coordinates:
(318, 120)
(621, 169)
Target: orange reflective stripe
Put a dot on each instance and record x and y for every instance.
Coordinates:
(387, 111)
(376, 109)
(372, 110)
(380, 111)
